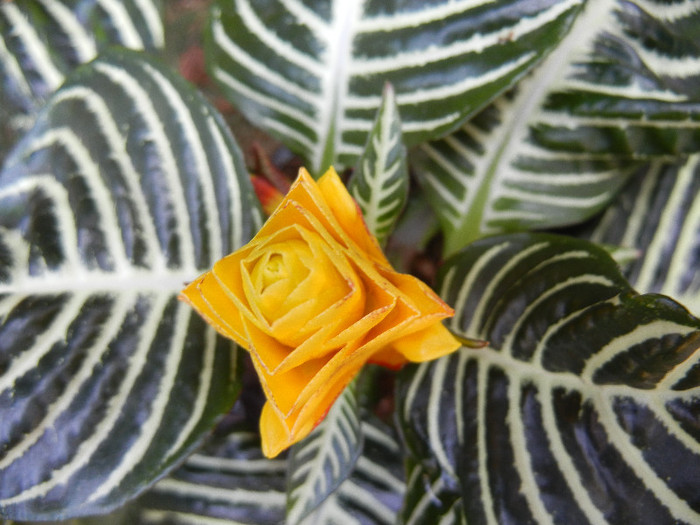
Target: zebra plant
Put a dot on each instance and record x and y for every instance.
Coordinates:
(121, 183)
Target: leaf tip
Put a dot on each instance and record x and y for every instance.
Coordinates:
(470, 342)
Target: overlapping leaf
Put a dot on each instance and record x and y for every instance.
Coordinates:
(313, 75)
(41, 41)
(658, 215)
(229, 481)
(584, 409)
(620, 89)
(325, 459)
(127, 187)
(428, 498)
(380, 181)
(374, 492)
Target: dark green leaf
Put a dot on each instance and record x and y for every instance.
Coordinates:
(375, 491)
(127, 187)
(658, 216)
(380, 181)
(324, 459)
(429, 499)
(619, 90)
(313, 76)
(583, 409)
(227, 480)
(42, 41)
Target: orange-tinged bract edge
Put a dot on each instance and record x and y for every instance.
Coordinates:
(313, 299)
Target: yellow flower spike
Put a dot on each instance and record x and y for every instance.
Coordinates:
(313, 299)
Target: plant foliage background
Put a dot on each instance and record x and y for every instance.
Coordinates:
(464, 129)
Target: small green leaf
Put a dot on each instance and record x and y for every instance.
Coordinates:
(128, 186)
(374, 492)
(583, 409)
(380, 181)
(324, 459)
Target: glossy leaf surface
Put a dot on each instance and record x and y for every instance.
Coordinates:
(229, 481)
(127, 187)
(320, 463)
(658, 217)
(620, 89)
(429, 499)
(374, 492)
(380, 181)
(584, 409)
(313, 74)
(42, 41)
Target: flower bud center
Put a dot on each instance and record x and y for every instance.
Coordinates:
(276, 275)
(273, 270)
(294, 281)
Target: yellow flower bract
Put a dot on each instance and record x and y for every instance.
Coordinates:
(313, 298)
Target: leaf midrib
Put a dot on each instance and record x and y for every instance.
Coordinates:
(100, 282)
(583, 30)
(528, 372)
(336, 80)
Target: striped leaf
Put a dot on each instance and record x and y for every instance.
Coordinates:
(429, 499)
(313, 76)
(380, 181)
(41, 41)
(619, 90)
(227, 482)
(585, 407)
(375, 491)
(326, 458)
(127, 187)
(658, 215)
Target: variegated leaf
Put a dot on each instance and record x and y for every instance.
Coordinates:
(414, 236)
(127, 187)
(41, 41)
(585, 407)
(227, 482)
(324, 459)
(658, 215)
(429, 499)
(312, 74)
(620, 89)
(374, 493)
(380, 181)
